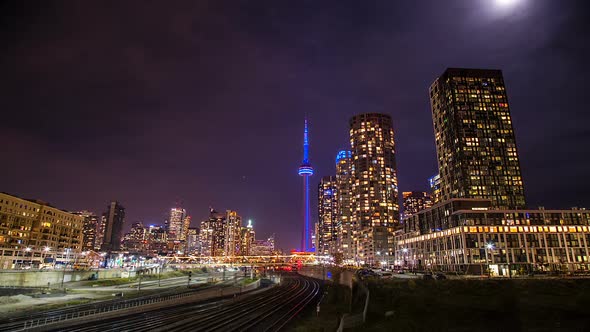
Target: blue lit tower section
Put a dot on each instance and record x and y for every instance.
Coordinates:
(305, 170)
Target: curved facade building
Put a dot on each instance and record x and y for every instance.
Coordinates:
(374, 188)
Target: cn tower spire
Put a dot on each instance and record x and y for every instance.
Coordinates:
(305, 144)
(305, 170)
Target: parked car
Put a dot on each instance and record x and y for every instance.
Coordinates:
(440, 276)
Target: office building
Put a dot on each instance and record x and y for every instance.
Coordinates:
(475, 143)
(193, 244)
(247, 237)
(157, 240)
(176, 223)
(263, 247)
(213, 234)
(374, 199)
(114, 219)
(32, 232)
(414, 202)
(328, 224)
(135, 241)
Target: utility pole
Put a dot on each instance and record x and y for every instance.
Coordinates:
(159, 274)
(63, 276)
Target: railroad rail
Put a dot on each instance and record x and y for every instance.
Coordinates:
(267, 309)
(35, 320)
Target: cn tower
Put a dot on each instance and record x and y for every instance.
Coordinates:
(305, 170)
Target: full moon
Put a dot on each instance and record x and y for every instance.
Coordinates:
(506, 3)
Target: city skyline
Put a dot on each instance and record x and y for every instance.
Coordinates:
(139, 130)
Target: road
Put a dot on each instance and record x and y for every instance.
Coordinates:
(267, 309)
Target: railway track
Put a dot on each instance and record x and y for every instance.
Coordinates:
(16, 322)
(263, 310)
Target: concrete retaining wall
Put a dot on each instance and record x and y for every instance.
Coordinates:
(51, 278)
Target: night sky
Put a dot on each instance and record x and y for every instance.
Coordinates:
(152, 102)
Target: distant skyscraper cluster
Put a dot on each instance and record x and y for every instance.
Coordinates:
(415, 201)
(34, 234)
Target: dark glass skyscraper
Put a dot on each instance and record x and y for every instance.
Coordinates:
(374, 199)
(115, 217)
(475, 144)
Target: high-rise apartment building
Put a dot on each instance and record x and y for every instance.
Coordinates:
(233, 226)
(328, 216)
(374, 200)
(100, 228)
(345, 229)
(114, 220)
(90, 229)
(475, 143)
(415, 201)
(176, 223)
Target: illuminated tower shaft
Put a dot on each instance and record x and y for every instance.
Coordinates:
(305, 170)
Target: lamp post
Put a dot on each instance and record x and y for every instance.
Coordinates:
(63, 276)
(28, 250)
(46, 249)
(489, 246)
(16, 259)
(405, 256)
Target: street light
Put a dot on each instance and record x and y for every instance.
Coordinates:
(27, 249)
(63, 276)
(46, 249)
(489, 246)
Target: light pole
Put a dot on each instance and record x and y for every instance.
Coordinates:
(16, 259)
(63, 276)
(28, 250)
(405, 256)
(489, 246)
(159, 272)
(44, 254)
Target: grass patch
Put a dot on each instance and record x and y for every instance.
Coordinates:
(249, 281)
(480, 305)
(112, 282)
(63, 304)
